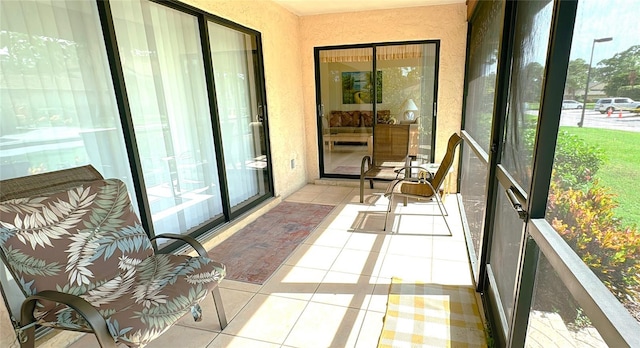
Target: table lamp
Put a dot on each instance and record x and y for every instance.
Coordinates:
(409, 106)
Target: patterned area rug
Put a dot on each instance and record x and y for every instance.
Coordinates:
(256, 251)
(431, 315)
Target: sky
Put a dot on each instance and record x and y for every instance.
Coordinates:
(619, 19)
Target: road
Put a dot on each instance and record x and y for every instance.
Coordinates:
(594, 119)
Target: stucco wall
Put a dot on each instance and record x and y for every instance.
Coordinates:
(280, 41)
(446, 23)
(288, 42)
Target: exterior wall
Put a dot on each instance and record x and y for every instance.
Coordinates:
(280, 41)
(446, 23)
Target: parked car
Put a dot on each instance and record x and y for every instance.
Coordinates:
(612, 104)
(572, 104)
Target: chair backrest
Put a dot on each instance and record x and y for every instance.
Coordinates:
(28, 186)
(447, 161)
(390, 143)
(75, 240)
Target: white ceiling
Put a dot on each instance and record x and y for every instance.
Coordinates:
(313, 7)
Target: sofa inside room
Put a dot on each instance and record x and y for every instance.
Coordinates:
(357, 127)
(353, 126)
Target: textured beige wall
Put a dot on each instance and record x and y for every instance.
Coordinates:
(446, 23)
(280, 41)
(288, 42)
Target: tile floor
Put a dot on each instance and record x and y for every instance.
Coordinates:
(332, 291)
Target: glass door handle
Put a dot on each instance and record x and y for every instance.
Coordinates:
(515, 203)
(260, 115)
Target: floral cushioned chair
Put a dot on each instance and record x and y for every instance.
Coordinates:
(85, 263)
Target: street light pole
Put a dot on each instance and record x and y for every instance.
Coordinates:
(586, 88)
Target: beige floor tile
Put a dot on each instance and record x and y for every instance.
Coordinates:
(329, 198)
(54, 339)
(87, 341)
(404, 266)
(337, 190)
(344, 289)
(242, 286)
(345, 222)
(371, 220)
(336, 238)
(451, 272)
(416, 224)
(371, 329)
(368, 241)
(350, 209)
(323, 325)
(373, 197)
(380, 295)
(177, 336)
(232, 300)
(313, 256)
(410, 245)
(450, 249)
(228, 341)
(302, 197)
(294, 282)
(354, 198)
(312, 189)
(266, 318)
(7, 339)
(357, 262)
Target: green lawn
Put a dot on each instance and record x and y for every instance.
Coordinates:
(621, 170)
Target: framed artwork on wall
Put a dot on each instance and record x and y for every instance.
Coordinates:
(357, 87)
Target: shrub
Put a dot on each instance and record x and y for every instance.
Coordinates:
(586, 221)
(576, 162)
(582, 211)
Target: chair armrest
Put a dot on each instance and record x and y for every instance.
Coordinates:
(185, 239)
(80, 305)
(407, 168)
(365, 160)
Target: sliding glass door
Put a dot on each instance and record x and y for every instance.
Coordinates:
(167, 98)
(352, 100)
(241, 114)
(58, 107)
(345, 111)
(409, 84)
(163, 65)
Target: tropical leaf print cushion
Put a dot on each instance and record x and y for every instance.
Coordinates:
(88, 241)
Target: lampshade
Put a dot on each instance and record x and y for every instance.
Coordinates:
(409, 105)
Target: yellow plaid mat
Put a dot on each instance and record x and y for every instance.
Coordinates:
(431, 315)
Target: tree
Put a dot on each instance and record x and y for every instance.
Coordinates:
(619, 70)
(576, 77)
